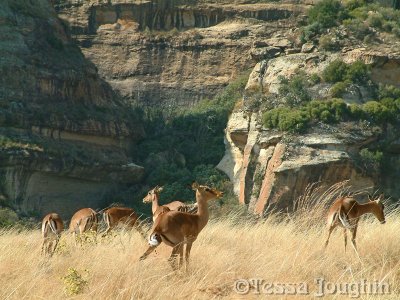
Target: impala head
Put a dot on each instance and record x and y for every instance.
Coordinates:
(152, 194)
(206, 192)
(379, 208)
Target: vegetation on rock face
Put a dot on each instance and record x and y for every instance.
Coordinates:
(304, 112)
(361, 17)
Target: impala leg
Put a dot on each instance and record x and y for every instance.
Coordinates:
(55, 245)
(49, 246)
(44, 246)
(181, 255)
(345, 238)
(174, 254)
(353, 238)
(329, 234)
(187, 253)
(148, 251)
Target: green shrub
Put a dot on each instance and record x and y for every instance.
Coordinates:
(327, 42)
(327, 13)
(396, 31)
(358, 72)
(375, 20)
(286, 119)
(310, 31)
(315, 79)
(388, 91)
(336, 71)
(338, 89)
(376, 111)
(357, 28)
(294, 90)
(74, 282)
(7, 217)
(371, 160)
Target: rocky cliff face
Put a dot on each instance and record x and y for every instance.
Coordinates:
(64, 133)
(270, 169)
(171, 53)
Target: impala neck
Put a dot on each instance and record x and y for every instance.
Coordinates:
(202, 210)
(154, 203)
(367, 208)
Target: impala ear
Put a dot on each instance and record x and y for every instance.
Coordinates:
(194, 185)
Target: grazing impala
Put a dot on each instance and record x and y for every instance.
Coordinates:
(83, 220)
(153, 197)
(346, 212)
(176, 228)
(126, 216)
(52, 226)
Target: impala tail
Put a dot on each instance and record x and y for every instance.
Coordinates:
(155, 239)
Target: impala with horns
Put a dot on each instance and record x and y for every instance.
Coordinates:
(153, 196)
(346, 212)
(52, 226)
(83, 220)
(176, 228)
(125, 216)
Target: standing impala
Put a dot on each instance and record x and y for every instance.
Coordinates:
(153, 197)
(52, 226)
(83, 220)
(176, 228)
(346, 212)
(126, 216)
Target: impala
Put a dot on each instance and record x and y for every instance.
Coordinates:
(126, 216)
(52, 226)
(346, 212)
(153, 197)
(176, 228)
(83, 220)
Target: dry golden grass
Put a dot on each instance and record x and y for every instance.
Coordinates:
(285, 249)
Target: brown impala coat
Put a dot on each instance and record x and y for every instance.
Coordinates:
(176, 228)
(346, 212)
(52, 226)
(125, 216)
(83, 220)
(156, 209)
(153, 197)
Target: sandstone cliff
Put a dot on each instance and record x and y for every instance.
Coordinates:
(64, 134)
(270, 169)
(171, 53)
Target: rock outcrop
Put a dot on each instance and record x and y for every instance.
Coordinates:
(271, 169)
(65, 134)
(171, 53)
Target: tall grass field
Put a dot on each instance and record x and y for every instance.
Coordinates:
(281, 256)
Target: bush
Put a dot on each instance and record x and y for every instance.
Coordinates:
(336, 71)
(339, 71)
(286, 119)
(294, 90)
(371, 160)
(388, 91)
(375, 20)
(377, 112)
(327, 42)
(327, 13)
(310, 31)
(7, 217)
(358, 72)
(357, 28)
(338, 89)
(74, 282)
